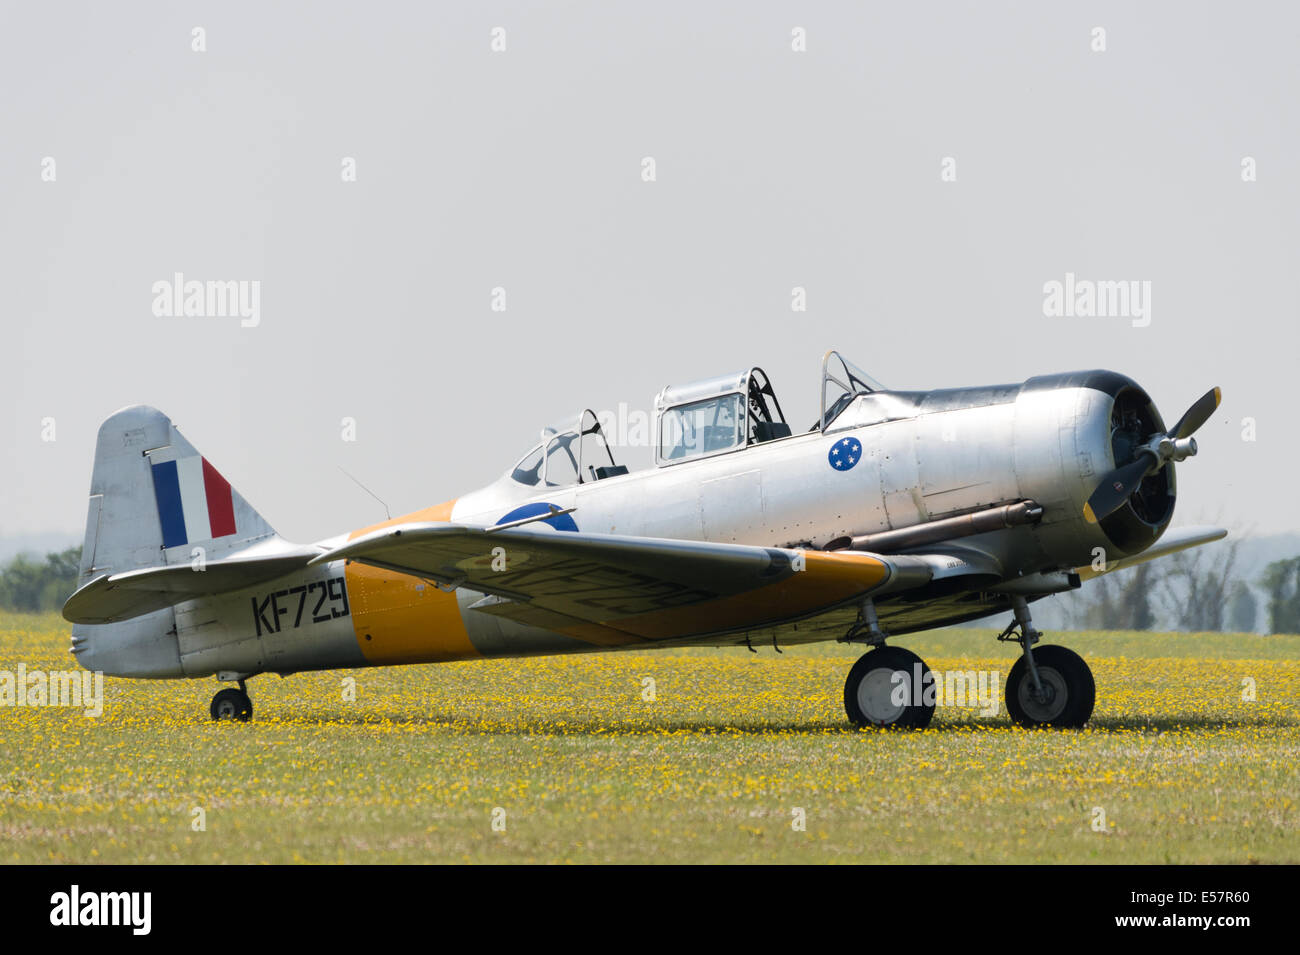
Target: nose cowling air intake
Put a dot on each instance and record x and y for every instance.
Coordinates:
(1134, 501)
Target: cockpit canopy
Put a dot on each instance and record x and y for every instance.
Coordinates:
(576, 454)
(691, 421)
(716, 415)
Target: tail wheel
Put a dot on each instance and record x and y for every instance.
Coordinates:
(231, 704)
(887, 687)
(1068, 695)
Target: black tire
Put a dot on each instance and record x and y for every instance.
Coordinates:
(231, 704)
(1068, 679)
(865, 704)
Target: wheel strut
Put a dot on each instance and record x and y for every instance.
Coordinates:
(1021, 630)
(867, 627)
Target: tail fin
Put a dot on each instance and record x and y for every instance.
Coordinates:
(154, 499)
(156, 505)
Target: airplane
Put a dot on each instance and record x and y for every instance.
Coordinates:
(896, 512)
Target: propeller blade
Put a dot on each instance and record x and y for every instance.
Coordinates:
(1197, 414)
(1116, 487)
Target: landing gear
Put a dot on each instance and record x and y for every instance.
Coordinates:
(887, 687)
(232, 704)
(1047, 686)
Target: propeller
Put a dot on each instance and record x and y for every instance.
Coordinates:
(1174, 445)
(1197, 414)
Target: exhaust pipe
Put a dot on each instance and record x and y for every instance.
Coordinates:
(997, 518)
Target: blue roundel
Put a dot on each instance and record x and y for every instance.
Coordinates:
(844, 454)
(564, 522)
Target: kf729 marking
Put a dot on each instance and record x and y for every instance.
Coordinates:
(897, 511)
(334, 590)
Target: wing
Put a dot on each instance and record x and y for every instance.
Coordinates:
(1171, 542)
(609, 589)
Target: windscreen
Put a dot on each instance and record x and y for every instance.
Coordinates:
(842, 381)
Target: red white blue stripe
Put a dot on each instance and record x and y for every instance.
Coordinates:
(194, 501)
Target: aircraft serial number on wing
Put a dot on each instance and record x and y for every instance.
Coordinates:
(316, 602)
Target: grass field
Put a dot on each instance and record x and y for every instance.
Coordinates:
(713, 769)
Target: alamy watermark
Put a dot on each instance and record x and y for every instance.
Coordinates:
(965, 688)
(232, 298)
(82, 689)
(1086, 298)
(128, 909)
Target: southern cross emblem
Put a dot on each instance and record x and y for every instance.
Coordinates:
(844, 454)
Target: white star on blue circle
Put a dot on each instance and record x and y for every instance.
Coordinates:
(844, 454)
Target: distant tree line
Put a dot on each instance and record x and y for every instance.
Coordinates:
(1282, 584)
(30, 584)
(1193, 590)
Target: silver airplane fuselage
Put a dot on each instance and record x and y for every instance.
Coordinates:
(917, 458)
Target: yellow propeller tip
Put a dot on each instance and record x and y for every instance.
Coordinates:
(1088, 516)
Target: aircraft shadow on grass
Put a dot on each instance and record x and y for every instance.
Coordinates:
(577, 726)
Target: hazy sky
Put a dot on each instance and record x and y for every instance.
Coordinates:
(523, 170)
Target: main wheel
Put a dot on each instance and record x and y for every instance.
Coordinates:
(1068, 689)
(231, 704)
(887, 687)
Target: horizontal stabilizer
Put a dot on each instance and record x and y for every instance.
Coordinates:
(112, 597)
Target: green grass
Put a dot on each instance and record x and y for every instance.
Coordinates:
(585, 770)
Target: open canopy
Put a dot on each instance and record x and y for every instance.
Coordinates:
(572, 454)
(692, 421)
